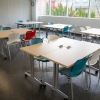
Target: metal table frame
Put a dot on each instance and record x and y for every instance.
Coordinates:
(1, 49)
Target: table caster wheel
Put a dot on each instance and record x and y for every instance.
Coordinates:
(44, 86)
(65, 98)
(25, 75)
(86, 89)
(41, 85)
(96, 72)
(5, 58)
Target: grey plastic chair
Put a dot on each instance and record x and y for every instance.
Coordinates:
(71, 30)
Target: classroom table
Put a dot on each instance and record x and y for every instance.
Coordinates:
(92, 31)
(51, 51)
(5, 33)
(38, 49)
(55, 26)
(3, 26)
(67, 57)
(29, 23)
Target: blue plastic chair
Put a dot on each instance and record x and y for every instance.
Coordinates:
(29, 26)
(65, 30)
(75, 70)
(50, 29)
(20, 25)
(5, 28)
(36, 41)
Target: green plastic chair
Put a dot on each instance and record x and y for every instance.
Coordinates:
(75, 70)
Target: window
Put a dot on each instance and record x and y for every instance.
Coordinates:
(85, 1)
(58, 7)
(75, 8)
(76, 0)
(95, 9)
(78, 9)
(43, 7)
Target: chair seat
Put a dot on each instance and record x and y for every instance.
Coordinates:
(13, 42)
(66, 71)
(27, 39)
(63, 32)
(42, 59)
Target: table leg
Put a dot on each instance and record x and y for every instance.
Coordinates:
(46, 32)
(86, 37)
(31, 73)
(56, 31)
(54, 77)
(39, 28)
(33, 27)
(99, 66)
(17, 25)
(56, 83)
(1, 49)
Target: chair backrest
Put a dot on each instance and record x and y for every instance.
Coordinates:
(19, 21)
(82, 28)
(79, 66)
(71, 29)
(14, 37)
(30, 34)
(50, 23)
(35, 41)
(52, 37)
(26, 20)
(5, 28)
(95, 57)
(88, 27)
(65, 29)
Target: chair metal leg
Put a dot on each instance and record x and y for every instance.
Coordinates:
(72, 88)
(46, 66)
(16, 47)
(9, 52)
(40, 71)
(89, 74)
(86, 80)
(21, 46)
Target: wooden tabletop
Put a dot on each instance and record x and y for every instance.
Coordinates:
(63, 41)
(67, 57)
(42, 48)
(5, 33)
(38, 49)
(27, 23)
(92, 31)
(4, 25)
(57, 26)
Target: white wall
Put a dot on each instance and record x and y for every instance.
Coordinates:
(95, 23)
(68, 20)
(13, 10)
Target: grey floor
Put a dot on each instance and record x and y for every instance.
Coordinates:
(15, 86)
